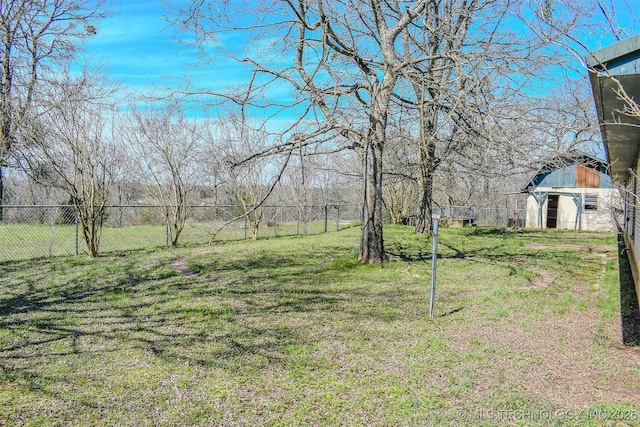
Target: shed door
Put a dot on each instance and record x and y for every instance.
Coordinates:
(587, 177)
(552, 210)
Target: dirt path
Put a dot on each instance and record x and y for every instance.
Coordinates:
(573, 247)
(180, 264)
(572, 359)
(544, 280)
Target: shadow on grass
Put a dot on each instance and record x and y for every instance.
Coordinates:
(250, 319)
(629, 310)
(405, 253)
(491, 232)
(450, 312)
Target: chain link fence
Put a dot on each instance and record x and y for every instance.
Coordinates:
(501, 217)
(46, 231)
(53, 230)
(484, 217)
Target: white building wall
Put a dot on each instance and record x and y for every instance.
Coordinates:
(599, 220)
(532, 213)
(567, 211)
(609, 207)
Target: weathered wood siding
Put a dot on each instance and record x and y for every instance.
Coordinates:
(587, 177)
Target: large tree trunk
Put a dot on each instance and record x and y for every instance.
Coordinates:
(428, 166)
(428, 161)
(425, 207)
(372, 241)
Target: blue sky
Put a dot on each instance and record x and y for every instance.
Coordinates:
(139, 48)
(136, 46)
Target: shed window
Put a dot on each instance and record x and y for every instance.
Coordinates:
(590, 202)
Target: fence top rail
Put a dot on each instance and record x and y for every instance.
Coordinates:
(34, 206)
(334, 205)
(501, 209)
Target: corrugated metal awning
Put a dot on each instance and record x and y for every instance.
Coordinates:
(620, 132)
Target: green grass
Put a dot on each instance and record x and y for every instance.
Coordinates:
(294, 331)
(26, 241)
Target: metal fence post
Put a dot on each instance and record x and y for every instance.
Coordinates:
(434, 257)
(77, 234)
(166, 235)
(326, 216)
(337, 217)
(245, 227)
(298, 222)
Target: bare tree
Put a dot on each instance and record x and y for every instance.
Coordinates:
(342, 62)
(458, 66)
(313, 181)
(250, 176)
(299, 182)
(69, 146)
(401, 170)
(471, 75)
(35, 36)
(168, 149)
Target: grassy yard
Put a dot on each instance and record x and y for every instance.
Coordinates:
(24, 241)
(294, 331)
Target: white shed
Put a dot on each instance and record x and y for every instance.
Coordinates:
(573, 192)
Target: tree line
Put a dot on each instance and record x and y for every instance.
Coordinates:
(403, 103)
